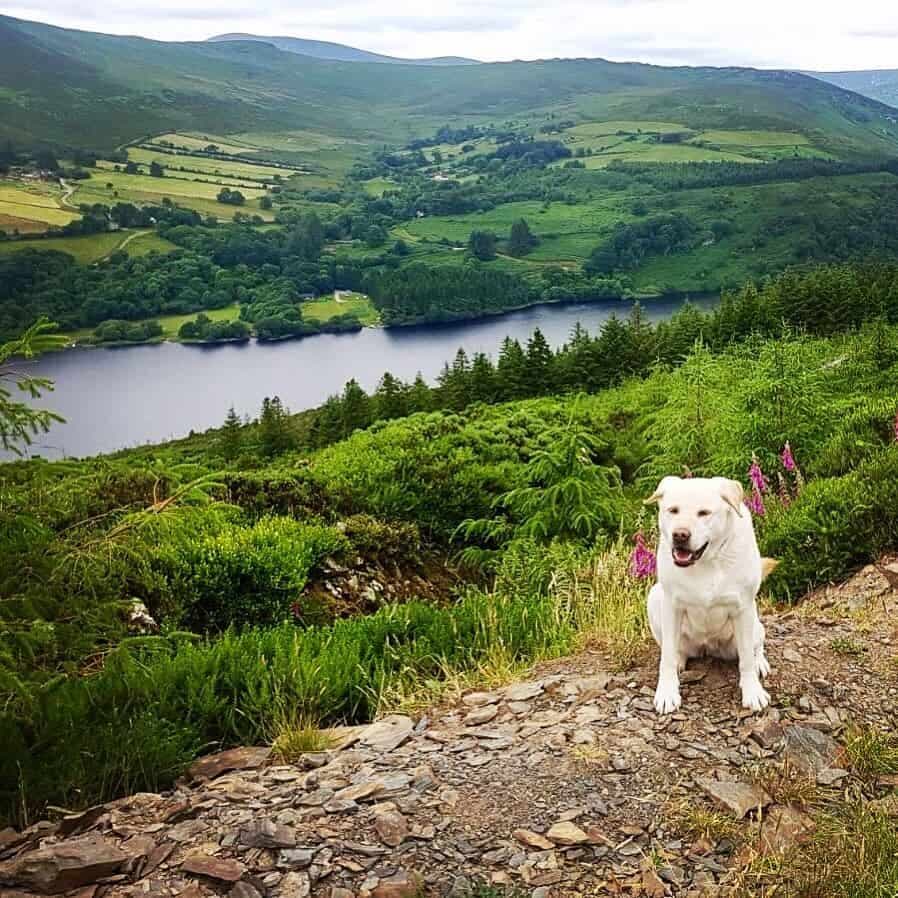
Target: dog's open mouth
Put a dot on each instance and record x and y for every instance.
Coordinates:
(686, 557)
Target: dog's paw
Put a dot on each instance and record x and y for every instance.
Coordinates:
(763, 665)
(754, 696)
(667, 697)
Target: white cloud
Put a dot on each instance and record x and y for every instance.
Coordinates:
(770, 33)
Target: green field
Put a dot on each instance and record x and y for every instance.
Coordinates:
(32, 206)
(170, 323)
(327, 307)
(208, 166)
(227, 145)
(378, 186)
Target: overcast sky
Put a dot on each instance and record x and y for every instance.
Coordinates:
(808, 34)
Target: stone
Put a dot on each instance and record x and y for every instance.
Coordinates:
(221, 869)
(481, 715)
(391, 828)
(652, 885)
(244, 890)
(782, 828)
(360, 791)
(294, 885)
(64, 866)
(831, 776)
(479, 699)
(767, 732)
(809, 750)
(400, 885)
(388, 733)
(211, 766)
(533, 840)
(738, 798)
(523, 692)
(267, 834)
(340, 892)
(566, 833)
(296, 858)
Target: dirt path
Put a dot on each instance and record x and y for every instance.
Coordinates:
(69, 190)
(566, 784)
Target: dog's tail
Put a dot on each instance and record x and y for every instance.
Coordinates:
(768, 566)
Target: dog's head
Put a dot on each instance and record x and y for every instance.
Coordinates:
(695, 515)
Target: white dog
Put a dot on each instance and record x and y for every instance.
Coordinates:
(709, 573)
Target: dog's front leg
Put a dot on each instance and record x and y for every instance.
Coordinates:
(754, 696)
(667, 695)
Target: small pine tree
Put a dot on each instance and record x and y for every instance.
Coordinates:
(275, 428)
(230, 441)
(521, 240)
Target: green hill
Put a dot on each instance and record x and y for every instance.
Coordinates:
(84, 89)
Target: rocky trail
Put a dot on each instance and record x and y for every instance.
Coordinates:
(565, 784)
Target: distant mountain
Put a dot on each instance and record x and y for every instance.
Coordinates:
(880, 84)
(338, 52)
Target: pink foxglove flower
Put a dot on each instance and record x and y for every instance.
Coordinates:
(642, 560)
(756, 475)
(787, 458)
(755, 503)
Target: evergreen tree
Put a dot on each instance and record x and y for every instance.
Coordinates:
(230, 440)
(390, 398)
(511, 371)
(482, 245)
(454, 387)
(521, 240)
(356, 408)
(539, 365)
(420, 396)
(327, 426)
(275, 428)
(482, 379)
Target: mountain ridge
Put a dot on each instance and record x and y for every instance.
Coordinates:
(336, 51)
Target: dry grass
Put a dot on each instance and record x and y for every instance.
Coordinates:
(298, 734)
(702, 822)
(608, 605)
(785, 783)
(871, 753)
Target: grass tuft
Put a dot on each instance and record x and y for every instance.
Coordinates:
(871, 752)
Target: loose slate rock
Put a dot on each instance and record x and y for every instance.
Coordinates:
(220, 869)
(737, 798)
(267, 834)
(566, 833)
(809, 750)
(400, 885)
(391, 828)
(533, 840)
(782, 828)
(388, 733)
(247, 758)
(481, 715)
(65, 866)
(523, 692)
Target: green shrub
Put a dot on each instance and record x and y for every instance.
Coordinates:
(836, 525)
(245, 576)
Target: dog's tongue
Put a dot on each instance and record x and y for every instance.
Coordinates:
(683, 555)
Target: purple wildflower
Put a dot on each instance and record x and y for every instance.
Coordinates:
(756, 475)
(787, 458)
(755, 503)
(642, 559)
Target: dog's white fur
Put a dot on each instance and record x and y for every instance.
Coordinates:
(708, 607)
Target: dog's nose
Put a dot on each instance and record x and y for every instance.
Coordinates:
(681, 537)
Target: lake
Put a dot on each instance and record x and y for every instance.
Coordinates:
(117, 398)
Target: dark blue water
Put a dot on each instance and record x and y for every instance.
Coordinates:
(117, 398)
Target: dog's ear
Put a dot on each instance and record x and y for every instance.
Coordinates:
(658, 495)
(768, 566)
(732, 493)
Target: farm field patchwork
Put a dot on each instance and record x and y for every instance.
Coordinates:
(171, 324)
(206, 165)
(38, 204)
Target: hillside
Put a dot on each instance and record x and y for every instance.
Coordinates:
(80, 88)
(340, 52)
(879, 84)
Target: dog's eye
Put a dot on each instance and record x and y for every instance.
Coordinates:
(704, 513)
(674, 510)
